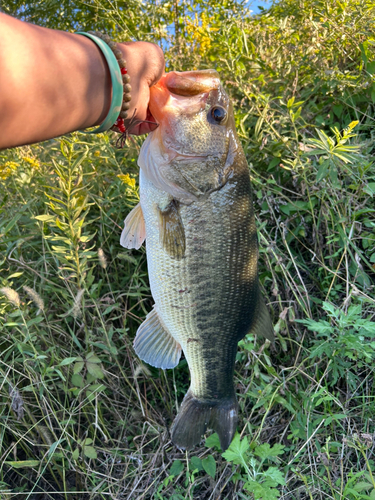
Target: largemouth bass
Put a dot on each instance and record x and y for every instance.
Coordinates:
(196, 215)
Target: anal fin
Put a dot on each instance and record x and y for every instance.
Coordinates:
(134, 232)
(172, 233)
(155, 345)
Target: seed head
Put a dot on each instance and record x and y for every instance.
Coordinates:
(77, 304)
(141, 368)
(35, 297)
(102, 258)
(17, 402)
(11, 295)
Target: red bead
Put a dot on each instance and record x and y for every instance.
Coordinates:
(124, 71)
(120, 124)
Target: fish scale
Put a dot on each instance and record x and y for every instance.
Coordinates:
(211, 309)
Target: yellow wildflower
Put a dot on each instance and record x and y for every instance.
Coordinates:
(199, 31)
(7, 169)
(126, 179)
(31, 161)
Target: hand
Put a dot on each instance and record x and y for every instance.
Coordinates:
(145, 65)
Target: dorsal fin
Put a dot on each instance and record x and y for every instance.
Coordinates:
(262, 325)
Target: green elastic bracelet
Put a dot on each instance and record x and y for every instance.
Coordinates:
(117, 85)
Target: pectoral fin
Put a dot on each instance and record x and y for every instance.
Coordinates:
(155, 345)
(172, 233)
(262, 325)
(134, 232)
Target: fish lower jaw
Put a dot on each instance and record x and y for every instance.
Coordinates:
(189, 158)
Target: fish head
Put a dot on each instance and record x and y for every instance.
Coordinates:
(191, 153)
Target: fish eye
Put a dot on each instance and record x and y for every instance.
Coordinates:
(218, 114)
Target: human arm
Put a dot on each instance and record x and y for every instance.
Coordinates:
(53, 82)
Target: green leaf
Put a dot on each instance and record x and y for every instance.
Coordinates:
(93, 390)
(209, 465)
(286, 208)
(90, 452)
(297, 114)
(213, 441)
(75, 454)
(236, 452)
(334, 177)
(67, 361)
(362, 486)
(279, 399)
(369, 188)
(10, 224)
(290, 102)
(196, 463)
(45, 218)
(20, 464)
(261, 491)
(265, 451)
(53, 447)
(77, 380)
(34, 321)
(92, 358)
(275, 474)
(316, 326)
(78, 366)
(95, 370)
(337, 109)
(85, 239)
(274, 162)
(15, 275)
(322, 172)
(325, 140)
(177, 468)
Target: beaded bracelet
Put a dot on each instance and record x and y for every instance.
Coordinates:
(120, 83)
(125, 79)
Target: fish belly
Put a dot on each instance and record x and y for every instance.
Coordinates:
(208, 298)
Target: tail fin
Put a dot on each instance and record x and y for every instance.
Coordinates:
(195, 416)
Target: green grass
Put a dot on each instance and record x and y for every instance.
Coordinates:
(80, 415)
